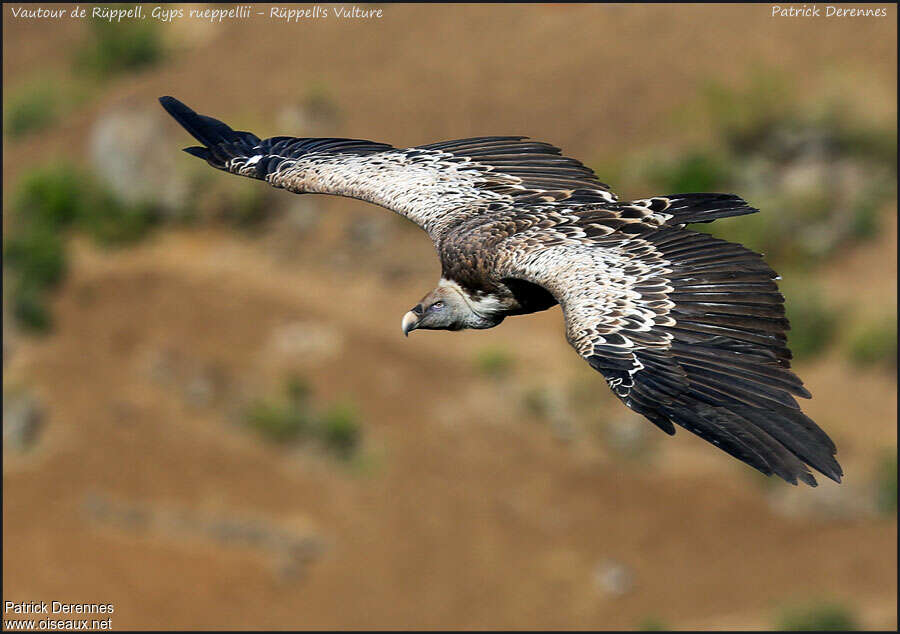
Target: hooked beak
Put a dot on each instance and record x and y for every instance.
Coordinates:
(409, 323)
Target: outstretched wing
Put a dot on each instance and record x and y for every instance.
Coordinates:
(687, 329)
(433, 185)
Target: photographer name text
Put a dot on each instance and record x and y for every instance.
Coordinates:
(830, 11)
(59, 615)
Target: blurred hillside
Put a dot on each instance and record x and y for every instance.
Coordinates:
(211, 418)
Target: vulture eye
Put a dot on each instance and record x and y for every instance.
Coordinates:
(437, 305)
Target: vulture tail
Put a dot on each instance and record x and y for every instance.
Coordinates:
(688, 208)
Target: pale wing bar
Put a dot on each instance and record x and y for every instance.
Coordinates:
(434, 185)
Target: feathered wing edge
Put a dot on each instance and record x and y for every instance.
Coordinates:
(231, 150)
(220, 142)
(714, 359)
(542, 172)
(729, 340)
(729, 347)
(518, 168)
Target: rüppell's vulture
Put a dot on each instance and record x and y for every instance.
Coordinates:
(687, 329)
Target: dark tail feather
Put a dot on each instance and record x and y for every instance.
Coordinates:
(688, 208)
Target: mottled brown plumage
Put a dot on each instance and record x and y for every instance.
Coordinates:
(686, 329)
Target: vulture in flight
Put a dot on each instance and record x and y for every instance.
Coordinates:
(687, 329)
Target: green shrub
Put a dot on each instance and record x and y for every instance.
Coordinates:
(745, 117)
(298, 389)
(494, 362)
(116, 47)
(653, 624)
(799, 230)
(864, 223)
(823, 617)
(30, 109)
(339, 430)
(857, 139)
(276, 421)
(696, 172)
(112, 223)
(878, 146)
(49, 201)
(875, 344)
(886, 484)
(819, 176)
(54, 195)
(37, 254)
(57, 196)
(29, 307)
(291, 418)
(813, 323)
(537, 402)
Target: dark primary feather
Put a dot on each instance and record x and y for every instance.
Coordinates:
(222, 143)
(714, 360)
(743, 381)
(536, 165)
(208, 131)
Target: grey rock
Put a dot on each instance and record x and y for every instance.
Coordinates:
(628, 435)
(828, 501)
(613, 578)
(23, 419)
(132, 155)
(302, 215)
(304, 340)
(370, 233)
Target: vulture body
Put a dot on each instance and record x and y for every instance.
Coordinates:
(687, 329)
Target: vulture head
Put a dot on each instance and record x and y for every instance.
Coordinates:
(448, 307)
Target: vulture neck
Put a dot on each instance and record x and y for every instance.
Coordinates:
(485, 310)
